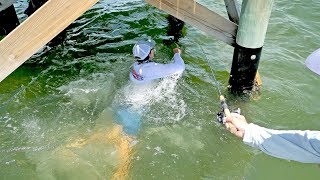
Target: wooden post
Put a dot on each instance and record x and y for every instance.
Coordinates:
(37, 30)
(251, 33)
(233, 10)
(8, 20)
(33, 6)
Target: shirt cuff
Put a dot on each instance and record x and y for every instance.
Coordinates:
(176, 54)
(251, 134)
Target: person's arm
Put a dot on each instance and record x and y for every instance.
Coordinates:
(164, 70)
(301, 146)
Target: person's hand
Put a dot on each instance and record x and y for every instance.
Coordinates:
(239, 122)
(177, 50)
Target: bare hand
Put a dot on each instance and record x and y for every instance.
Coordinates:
(239, 122)
(177, 50)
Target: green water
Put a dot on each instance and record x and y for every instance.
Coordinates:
(66, 93)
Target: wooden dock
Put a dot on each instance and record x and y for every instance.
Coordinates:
(55, 15)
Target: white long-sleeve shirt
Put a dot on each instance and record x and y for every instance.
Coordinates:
(146, 72)
(301, 146)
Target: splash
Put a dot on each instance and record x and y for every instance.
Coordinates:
(157, 102)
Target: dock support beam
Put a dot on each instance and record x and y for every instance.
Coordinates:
(190, 11)
(233, 10)
(251, 33)
(47, 22)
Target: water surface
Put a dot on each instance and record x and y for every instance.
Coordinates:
(66, 94)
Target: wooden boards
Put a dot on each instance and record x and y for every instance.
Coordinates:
(37, 30)
(200, 17)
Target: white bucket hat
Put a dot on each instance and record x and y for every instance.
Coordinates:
(313, 61)
(142, 49)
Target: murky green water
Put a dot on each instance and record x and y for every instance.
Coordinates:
(66, 94)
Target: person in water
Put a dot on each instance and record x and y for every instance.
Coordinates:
(145, 70)
(297, 145)
(128, 121)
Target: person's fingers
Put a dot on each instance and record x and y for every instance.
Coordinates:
(233, 115)
(239, 134)
(236, 115)
(236, 132)
(238, 121)
(229, 119)
(233, 130)
(230, 127)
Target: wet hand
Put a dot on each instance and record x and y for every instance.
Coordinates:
(177, 50)
(239, 122)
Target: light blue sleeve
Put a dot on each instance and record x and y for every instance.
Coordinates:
(301, 146)
(164, 70)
